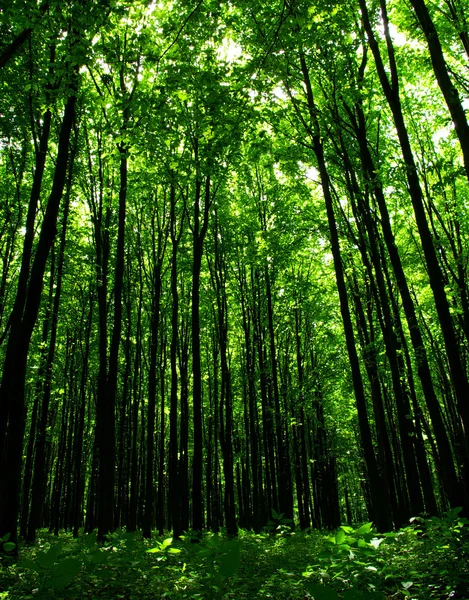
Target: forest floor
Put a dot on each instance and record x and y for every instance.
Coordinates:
(428, 559)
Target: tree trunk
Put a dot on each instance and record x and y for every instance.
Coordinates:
(152, 386)
(447, 88)
(199, 231)
(448, 473)
(391, 92)
(173, 466)
(12, 401)
(378, 489)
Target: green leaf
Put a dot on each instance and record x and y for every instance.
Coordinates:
(167, 542)
(27, 563)
(366, 528)
(130, 541)
(321, 592)
(347, 529)
(6, 537)
(407, 584)
(231, 560)
(9, 546)
(90, 539)
(344, 547)
(64, 573)
(99, 557)
(174, 550)
(340, 537)
(45, 560)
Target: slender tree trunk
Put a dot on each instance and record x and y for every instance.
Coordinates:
(446, 471)
(12, 390)
(199, 231)
(226, 409)
(251, 430)
(300, 445)
(387, 464)
(391, 92)
(284, 472)
(161, 514)
(37, 499)
(447, 88)
(152, 386)
(80, 428)
(270, 471)
(184, 485)
(173, 467)
(377, 284)
(378, 489)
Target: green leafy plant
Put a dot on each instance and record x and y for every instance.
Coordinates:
(423, 561)
(164, 548)
(55, 570)
(221, 559)
(7, 546)
(348, 553)
(279, 524)
(451, 529)
(324, 592)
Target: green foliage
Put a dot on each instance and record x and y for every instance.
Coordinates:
(6, 544)
(164, 546)
(278, 524)
(426, 560)
(155, 91)
(351, 554)
(221, 558)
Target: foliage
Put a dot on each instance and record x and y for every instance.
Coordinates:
(426, 560)
(279, 524)
(6, 545)
(234, 228)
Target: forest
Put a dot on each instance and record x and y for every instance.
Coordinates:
(234, 299)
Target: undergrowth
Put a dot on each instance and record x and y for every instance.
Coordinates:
(429, 559)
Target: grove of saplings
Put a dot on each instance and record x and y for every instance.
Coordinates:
(234, 251)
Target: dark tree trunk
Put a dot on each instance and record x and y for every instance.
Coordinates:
(372, 261)
(12, 401)
(80, 427)
(218, 273)
(152, 387)
(452, 346)
(199, 231)
(284, 471)
(301, 453)
(447, 471)
(161, 513)
(37, 499)
(184, 427)
(366, 332)
(250, 395)
(174, 516)
(270, 471)
(379, 494)
(447, 88)
(105, 409)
